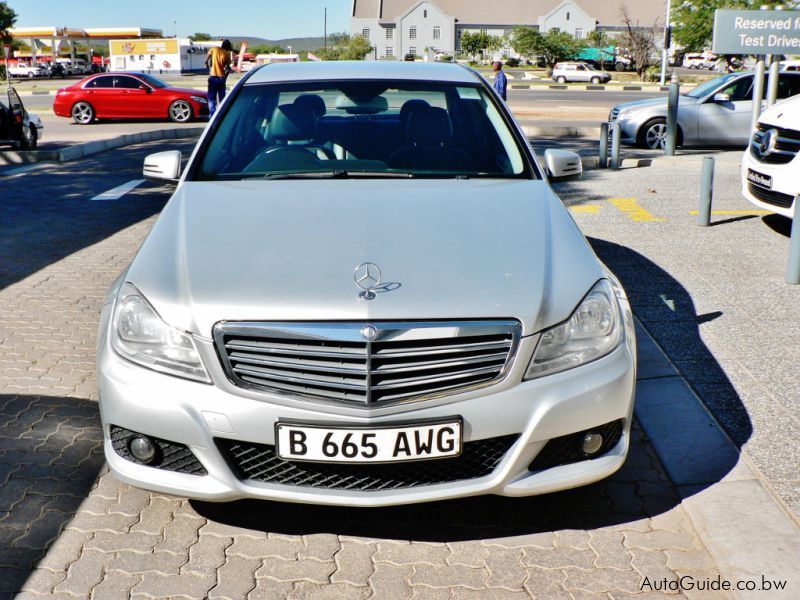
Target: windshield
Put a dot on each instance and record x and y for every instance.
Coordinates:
(705, 88)
(362, 128)
(153, 81)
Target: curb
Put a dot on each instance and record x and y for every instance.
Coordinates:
(89, 148)
(743, 525)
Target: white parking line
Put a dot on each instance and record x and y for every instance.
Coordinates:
(119, 191)
(23, 169)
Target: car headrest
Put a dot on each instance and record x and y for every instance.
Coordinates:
(312, 101)
(291, 122)
(429, 126)
(408, 107)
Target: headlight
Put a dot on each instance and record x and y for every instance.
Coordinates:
(199, 99)
(593, 330)
(139, 335)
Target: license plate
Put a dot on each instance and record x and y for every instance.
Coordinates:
(325, 443)
(759, 179)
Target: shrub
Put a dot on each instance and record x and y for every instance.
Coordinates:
(512, 62)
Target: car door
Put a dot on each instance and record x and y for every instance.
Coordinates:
(99, 92)
(132, 101)
(582, 73)
(727, 122)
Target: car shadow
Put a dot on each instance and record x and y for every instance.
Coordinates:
(50, 456)
(639, 490)
(47, 214)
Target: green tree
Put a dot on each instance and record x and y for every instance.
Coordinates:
(342, 46)
(599, 39)
(274, 49)
(525, 41)
(477, 43)
(200, 37)
(7, 19)
(693, 20)
(556, 45)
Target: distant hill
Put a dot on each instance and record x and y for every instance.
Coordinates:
(297, 44)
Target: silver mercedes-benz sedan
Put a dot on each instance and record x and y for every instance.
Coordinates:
(364, 292)
(715, 113)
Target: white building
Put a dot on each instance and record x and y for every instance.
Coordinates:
(159, 56)
(399, 27)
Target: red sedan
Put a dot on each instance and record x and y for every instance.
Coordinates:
(128, 96)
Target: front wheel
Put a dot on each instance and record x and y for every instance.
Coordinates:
(595, 80)
(561, 79)
(31, 139)
(83, 113)
(619, 67)
(31, 74)
(180, 111)
(653, 135)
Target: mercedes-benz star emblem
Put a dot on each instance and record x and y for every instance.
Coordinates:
(768, 140)
(368, 277)
(369, 333)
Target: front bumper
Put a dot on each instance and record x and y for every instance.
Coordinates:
(194, 414)
(785, 184)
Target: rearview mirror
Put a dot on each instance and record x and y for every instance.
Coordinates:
(163, 166)
(562, 165)
(722, 98)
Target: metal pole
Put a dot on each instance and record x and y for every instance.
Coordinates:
(706, 192)
(672, 118)
(602, 157)
(772, 86)
(615, 139)
(665, 50)
(758, 92)
(325, 28)
(793, 272)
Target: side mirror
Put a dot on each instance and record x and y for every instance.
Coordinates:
(722, 98)
(145, 88)
(163, 166)
(562, 165)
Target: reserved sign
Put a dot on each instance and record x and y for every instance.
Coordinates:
(756, 32)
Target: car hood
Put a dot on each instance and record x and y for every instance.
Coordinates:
(785, 114)
(660, 102)
(189, 91)
(287, 250)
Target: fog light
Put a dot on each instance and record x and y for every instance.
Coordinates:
(142, 448)
(592, 442)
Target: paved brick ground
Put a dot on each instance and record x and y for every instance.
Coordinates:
(68, 529)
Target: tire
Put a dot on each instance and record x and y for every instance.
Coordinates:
(653, 135)
(82, 113)
(561, 79)
(619, 67)
(180, 111)
(30, 141)
(31, 75)
(595, 80)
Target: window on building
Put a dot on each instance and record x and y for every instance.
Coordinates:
(412, 50)
(459, 33)
(579, 34)
(424, 14)
(390, 33)
(412, 33)
(437, 32)
(365, 33)
(389, 52)
(567, 15)
(484, 31)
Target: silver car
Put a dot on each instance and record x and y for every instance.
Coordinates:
(364, 292)
(715, 113)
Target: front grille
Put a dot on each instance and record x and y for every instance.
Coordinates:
(770, 196)
(567, 448)
(787, 145)
(170, 456)
(333, 361)
(259, 462)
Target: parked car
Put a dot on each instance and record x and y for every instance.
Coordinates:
(53, 70)
(128, 96)
(29, 71)
(18, 128)
(715, 113)
(579, 71)
(365, 292)
(771, 165)
(699, 61)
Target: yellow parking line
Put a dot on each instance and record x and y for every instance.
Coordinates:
(734, 212)
(586, 208)
(634, 212)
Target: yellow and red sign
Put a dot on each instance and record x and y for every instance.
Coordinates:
(164, 46)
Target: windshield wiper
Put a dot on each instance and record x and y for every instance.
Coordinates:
(337, 174)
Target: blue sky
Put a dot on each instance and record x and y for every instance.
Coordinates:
(271, 19)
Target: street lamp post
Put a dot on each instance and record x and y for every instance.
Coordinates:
(665, 50)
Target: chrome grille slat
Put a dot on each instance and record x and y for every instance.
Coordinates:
(332, 362)
(787, 145)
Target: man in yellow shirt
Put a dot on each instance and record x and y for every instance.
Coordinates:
(218, 61)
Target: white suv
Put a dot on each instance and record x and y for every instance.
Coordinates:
(771, 165)
(579, 71)
(29, 71)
